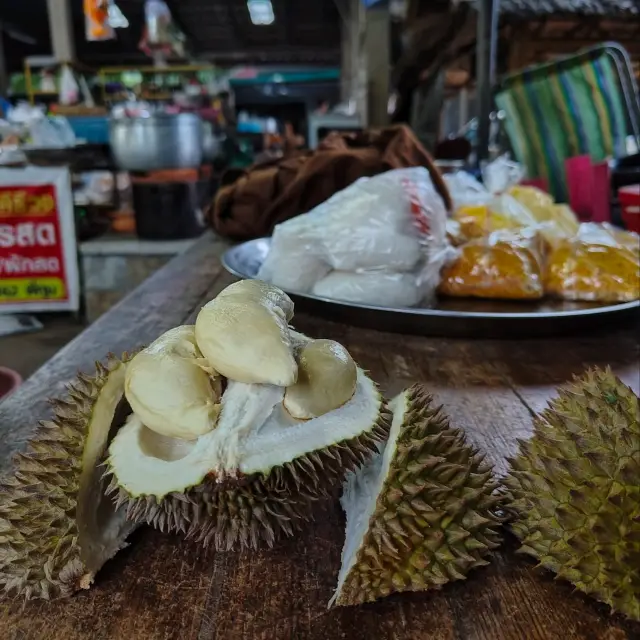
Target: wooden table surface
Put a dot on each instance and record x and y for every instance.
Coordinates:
(162, 587)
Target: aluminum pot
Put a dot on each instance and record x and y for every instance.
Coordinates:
(211, 143)
(160, 141)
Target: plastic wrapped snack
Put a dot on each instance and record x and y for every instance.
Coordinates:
(600, 264)
(389, 225)
(558, 220)
(501, 212)
(504, 265)
(373, 288)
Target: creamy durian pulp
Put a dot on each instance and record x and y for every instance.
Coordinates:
(242, 466)
(254, 433)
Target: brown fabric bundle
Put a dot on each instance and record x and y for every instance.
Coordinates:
(269, 193)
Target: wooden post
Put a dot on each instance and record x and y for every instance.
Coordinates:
(378, 52)
(486, 70)
(61, 28)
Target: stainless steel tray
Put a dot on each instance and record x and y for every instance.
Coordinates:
(450, 317)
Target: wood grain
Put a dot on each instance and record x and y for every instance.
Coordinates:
(164, 588)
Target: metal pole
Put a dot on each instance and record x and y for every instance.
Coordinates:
(487, 45)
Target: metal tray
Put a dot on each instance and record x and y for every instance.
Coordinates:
(450, 317)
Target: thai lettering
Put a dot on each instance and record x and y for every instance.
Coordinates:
(39, 290)
(21, 202)
(27, 234)
(18, 265)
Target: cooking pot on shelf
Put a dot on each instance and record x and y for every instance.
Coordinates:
(158, 141)
(211, 143)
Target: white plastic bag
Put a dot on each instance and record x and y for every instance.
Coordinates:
(382, 288)
(498, 176)
(379, 229)
(501, 174)
(69, 89)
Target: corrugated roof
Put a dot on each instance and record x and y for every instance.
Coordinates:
(582, 7)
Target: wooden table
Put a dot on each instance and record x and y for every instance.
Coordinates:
(162, 587)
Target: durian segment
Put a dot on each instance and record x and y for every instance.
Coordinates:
(56, 527)
(421, 513)
(327, 377)
(260, 290)
(255, 477)
(244, 334)
(575, 490)
(172, 388)
(254, 434)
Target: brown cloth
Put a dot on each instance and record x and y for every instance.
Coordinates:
(269, 193)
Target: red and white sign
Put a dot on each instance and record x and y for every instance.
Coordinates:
(38, 259)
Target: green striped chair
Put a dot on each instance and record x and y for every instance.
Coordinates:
(585, 104)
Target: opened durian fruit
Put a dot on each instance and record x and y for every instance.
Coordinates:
(423, 512)
(575, 490)
(240, 424)
(57, 528)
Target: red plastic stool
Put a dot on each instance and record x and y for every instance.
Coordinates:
(10, 380)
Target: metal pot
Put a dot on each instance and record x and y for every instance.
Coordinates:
(211, 143)
(159, 141)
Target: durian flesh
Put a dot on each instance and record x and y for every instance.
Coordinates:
(252, 476)
(244, 334)
(421, 513)
(575, 490)
(172, 388)
(56, 527)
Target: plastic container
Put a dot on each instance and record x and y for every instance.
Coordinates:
(169, 211)
(630, 204)
(93, 129)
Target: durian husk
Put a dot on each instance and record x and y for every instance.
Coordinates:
(256, 510)
(575, 490)
(437, 514)
(44, 551)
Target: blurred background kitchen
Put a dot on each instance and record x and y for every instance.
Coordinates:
(154, 105)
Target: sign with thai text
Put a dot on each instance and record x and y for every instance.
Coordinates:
(38, 261)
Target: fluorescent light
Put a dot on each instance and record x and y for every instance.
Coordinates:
(261, 11)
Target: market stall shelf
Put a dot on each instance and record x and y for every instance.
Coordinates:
(162, 587)
(450, 317)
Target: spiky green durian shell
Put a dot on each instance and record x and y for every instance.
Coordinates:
(575, 490)
(39, 552)
(259, 509)
(436, 516)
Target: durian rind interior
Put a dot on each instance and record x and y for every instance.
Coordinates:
(254, 434)
(422, 513)
(54, 540)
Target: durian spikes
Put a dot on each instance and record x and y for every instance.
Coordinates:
(575, 490)
(53, 541)
(258, 510)
(422, 513)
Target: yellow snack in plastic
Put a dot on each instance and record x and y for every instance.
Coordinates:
(502, 213)
(628, 239)
(582, 270)
(473, 221)
(559, 221)
(531, 197)
(504, 266)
